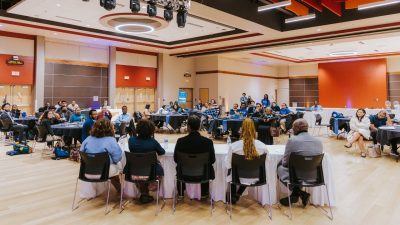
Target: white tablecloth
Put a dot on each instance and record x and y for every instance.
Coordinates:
(219, 185)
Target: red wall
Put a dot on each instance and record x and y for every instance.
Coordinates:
(137, 76)
(353, 84)
(25, 71)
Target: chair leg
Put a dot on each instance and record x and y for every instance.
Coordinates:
(73, 201)
(158, 193)
(211, 199)
(122, 195)
(270, 204)
(329, 202)
(230, 199)
(174, 198)
(290, 203)
(108, 197)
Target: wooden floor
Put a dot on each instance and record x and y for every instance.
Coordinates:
(40, 191)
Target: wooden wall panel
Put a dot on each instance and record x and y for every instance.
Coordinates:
(304, 91)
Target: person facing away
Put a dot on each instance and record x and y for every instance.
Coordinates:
(87, 126)
(251, 149)
(301, 143)
(194, 143)
(144, 142)
(102, 139)
(76, 117)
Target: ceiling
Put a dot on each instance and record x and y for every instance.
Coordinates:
(226, 34)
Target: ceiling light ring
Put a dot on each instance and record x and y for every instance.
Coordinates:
(119, 28)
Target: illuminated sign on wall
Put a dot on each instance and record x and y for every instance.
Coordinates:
(15, 60)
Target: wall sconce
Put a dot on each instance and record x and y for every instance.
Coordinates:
(147, 78)
(126, 77)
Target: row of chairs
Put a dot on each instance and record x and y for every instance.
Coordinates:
(305, 171)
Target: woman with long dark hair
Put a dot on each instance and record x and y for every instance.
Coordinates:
(359, 129)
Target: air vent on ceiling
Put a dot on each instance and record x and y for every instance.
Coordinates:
(195, 25)
(66, 18)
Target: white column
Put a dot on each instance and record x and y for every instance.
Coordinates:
(112, 74)
(39, 72)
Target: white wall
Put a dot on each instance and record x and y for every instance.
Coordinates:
(76, 52)
(17, 46)
(393, 64)
(245, 67)
(133, 59)
(209, 81)
(309, 69)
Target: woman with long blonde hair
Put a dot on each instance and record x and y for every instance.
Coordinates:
(250, 148)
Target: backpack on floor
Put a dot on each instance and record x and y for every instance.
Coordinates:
(22, 149)
(61, 153)
(74, 155)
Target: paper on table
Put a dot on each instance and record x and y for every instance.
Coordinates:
(387, 128)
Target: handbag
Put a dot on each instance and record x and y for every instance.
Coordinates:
(374, 152)
(274, 131)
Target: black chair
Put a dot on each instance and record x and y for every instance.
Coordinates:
(192, 169)
(121, 131)
(249, 169)
(306, 171)
(6, 126)
(94, 164)
(144, 165)
(137, 116)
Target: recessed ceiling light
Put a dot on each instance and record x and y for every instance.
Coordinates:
(58, 5)
(146, 28)
(343, 53)
(376, 50)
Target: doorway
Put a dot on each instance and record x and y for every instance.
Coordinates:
(204, 95)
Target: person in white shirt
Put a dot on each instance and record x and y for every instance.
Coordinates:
(73, 106)
(359, 129)
(250, 148)
(163, 110)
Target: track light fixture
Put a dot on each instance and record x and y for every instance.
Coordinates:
(108, 4)
(135, 6)
(181, 16)
(168, 12)
(152, 8)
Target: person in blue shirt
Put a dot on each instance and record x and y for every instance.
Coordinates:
(251, 109)
(243, 110)
(102, 139)
(378, 120)
(284, 112)
(76, 117)
(87, 126)
(235, 110)
(265, 101)
(211, 114)
(144, 142)
(243, 98)
(315, 107)
(124, 117)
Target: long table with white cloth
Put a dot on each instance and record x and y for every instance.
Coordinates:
(219, 185)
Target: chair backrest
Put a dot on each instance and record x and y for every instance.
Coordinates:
(137, 116)
(253, 169)
(6, 121)
(94, 164)
(140, 164)
(41, 133)
(193, 166)
(122, 129)
(306, 170)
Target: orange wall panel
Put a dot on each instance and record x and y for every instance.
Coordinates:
(353, 84)
(137, 76)
(26, 71)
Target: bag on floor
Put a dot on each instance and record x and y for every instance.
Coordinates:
(60, 153)
(22, 149)
(374, 152)
(74, 155)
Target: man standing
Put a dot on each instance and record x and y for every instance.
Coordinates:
(89, 124)
(194, 143)
(304, 144)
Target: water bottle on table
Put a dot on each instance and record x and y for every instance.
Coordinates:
(165, 143)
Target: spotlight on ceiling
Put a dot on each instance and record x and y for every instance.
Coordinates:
(152, 8)
(274, 5)
(300, 18)
(168, 12)
(181, 16)
(108, 4)
(135, 6)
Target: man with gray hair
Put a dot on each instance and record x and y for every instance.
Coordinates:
(304, 144)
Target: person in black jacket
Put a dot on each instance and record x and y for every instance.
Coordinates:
(195, 143)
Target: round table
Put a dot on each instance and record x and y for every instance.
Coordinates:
(387, 134)
(26, 120)
(174, 120)
(73, 130)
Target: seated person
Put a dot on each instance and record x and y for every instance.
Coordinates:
(284, 111)
(170, 106)
(19, 130)
(243, 110)
(258, 113)
(315, 107)
(250, 148)
(275, 107)
(163, 110)
(61, 105)
(147, 112)
(378, 120)
(102, 139)
(194, 143)
(45, 107)
(249, 100)
(265, 101)
(359, 129)
(199, 105)
(15, 112)
(124, 117)
(104, 113)
(211, 114)
(264, 127)
(177, 108)
(46, 120)
(87, 126)
(235, 110)
(76, 117)
(65, 114)
(251, 109)
(205, 107)
(56, 115)
(144, 142)
(73, 106)
(302, 142)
